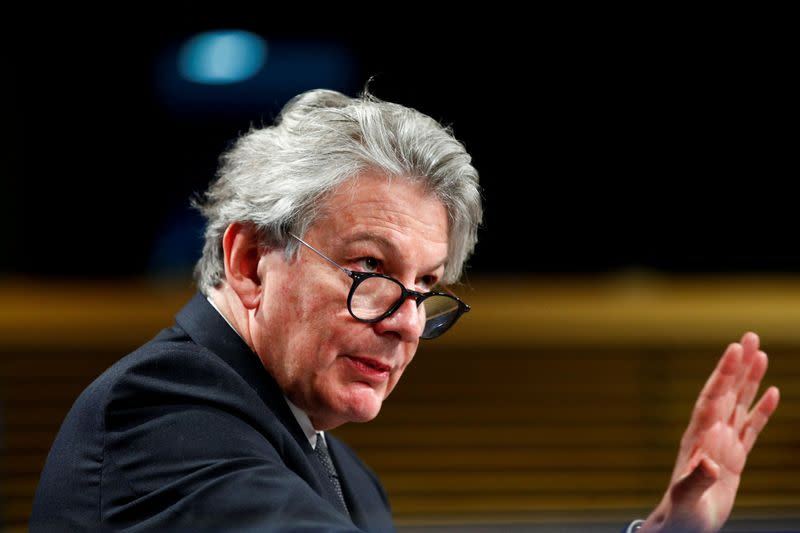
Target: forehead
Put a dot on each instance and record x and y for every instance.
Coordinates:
(397, 210)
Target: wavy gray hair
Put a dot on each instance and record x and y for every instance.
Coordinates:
(276, 177)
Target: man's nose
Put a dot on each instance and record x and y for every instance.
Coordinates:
(406, 322)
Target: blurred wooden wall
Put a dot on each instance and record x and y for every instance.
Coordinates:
(559, 399)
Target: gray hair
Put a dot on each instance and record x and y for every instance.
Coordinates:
(275, 177)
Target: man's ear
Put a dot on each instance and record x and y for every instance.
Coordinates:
(243, 250)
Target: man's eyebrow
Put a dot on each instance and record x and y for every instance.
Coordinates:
(371, 237)
(382, 241)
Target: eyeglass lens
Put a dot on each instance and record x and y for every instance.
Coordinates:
(375, 296)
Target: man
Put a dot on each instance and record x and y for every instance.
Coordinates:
(328, 238)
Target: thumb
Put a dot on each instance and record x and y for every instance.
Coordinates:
(687, 491)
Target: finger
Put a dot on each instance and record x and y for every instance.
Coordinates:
(749, 388)
(754, 377)
(750, 343)
(750, 351)
(725, 374)
(687, 491)
(717, 400)
(685, 494)
(759, 417)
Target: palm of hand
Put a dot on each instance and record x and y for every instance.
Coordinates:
(715, 446)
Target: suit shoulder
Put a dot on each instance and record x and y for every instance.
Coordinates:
(170, 350)
(170, 363)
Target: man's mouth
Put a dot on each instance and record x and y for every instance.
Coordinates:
(371, 368)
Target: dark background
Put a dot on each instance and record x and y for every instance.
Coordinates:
(606, 141)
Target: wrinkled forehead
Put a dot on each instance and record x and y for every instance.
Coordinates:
(376, 188)
(397, 209)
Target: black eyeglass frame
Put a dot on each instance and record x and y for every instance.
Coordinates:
(405, 294)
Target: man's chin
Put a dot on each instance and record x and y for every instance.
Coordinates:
(364, 412)
(334, 420)
(354, 406)
(364, 416)
(362, 406)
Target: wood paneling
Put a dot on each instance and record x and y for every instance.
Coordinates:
(557, 397)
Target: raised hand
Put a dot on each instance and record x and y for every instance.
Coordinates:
(714, 448)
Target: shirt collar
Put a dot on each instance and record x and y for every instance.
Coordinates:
(223, 316)
(305, 424)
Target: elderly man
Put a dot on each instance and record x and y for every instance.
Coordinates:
(329, 238)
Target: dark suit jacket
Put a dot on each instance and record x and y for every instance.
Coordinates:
(190, 433)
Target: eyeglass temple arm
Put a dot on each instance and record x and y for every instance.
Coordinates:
(325, 257)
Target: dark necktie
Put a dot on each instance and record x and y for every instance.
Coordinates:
(325, 458)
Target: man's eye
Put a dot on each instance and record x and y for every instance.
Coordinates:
(369, 264)
(428, 282)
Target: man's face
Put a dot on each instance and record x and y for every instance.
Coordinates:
(332, 366)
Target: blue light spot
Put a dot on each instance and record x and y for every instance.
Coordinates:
(220, 57)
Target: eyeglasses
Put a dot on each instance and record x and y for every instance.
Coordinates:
(374, 297)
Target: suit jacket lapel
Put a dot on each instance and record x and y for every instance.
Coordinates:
(361, 494)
